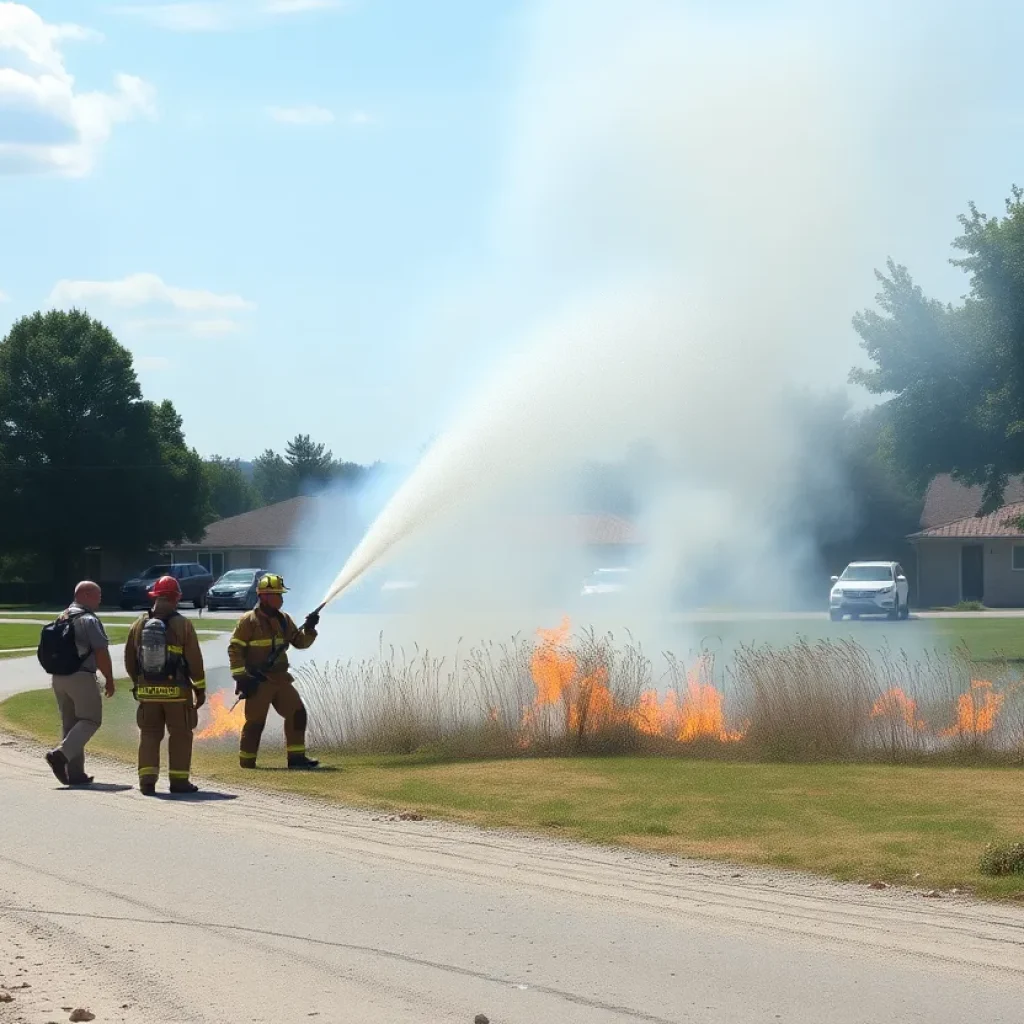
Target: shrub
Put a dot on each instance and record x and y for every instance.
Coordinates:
(1007, 859)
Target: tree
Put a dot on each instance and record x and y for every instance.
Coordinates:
(307, 467)
(350, 474)
(312, 465)
(957, 372)
(230, 492)
(86, 461)
(184, 488)
(272, 478)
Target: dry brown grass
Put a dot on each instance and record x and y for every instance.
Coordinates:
(832, 700)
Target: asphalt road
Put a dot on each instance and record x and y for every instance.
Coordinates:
(243, 906)
(248, 907)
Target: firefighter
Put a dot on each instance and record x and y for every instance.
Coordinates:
(163, 659)
(263, 634)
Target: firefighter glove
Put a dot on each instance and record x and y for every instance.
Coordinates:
(312, 621)
(245, 685)
(200, 698)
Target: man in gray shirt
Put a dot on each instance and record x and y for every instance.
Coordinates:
(78, 695)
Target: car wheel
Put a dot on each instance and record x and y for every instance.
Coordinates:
(895, 614)
(905, 611)
(835, 616)
(127, 606)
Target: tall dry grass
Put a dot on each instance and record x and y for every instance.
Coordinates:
(830, 700)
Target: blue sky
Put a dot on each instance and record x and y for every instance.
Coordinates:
(291, 199)
(322, 173)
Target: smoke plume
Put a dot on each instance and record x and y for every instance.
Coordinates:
(689, 216)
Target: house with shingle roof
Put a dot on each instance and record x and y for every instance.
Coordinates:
(964, 556)
(266, 537)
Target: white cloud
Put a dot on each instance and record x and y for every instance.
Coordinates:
(360, 117)
(77, 33)
(179, 326)
(152, 364)
(301, 115)
(221, 15)
(138, 290)
(299, 6)
(214, 328)
(47, 125)
(185, 17)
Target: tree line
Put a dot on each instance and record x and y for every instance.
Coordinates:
(87, 462)
(949, 377)
(306, 467)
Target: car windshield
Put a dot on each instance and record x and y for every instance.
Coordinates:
(238, 576)
(868, 573)
(154, 572)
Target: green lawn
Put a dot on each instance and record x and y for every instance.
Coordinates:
(987, 638)
(925, 826)
(124, 618)
(15, 635)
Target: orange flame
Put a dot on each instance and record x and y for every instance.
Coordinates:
(590, 704)
(698, 714)
(594, 706)
(976, 710)
(222, 720)
(553, 667)
(895, 705)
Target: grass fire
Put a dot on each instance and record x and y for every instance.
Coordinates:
(560, 692)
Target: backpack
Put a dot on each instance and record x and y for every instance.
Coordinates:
(58, 648)
(156, 664)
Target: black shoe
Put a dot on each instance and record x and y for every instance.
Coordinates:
(59, 766)
(183, 786)
(301, 761)
(81, 780)
(147, 788)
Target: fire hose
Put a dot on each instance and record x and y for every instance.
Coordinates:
(260, 674)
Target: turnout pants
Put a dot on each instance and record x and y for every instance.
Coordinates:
(81, 714)
(179, 719)
(282, 696)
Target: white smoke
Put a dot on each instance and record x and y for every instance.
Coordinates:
(690, 216)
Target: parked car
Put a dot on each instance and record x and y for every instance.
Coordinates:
(235, 589)
(605, 581)
(870, 588)
(194, 580)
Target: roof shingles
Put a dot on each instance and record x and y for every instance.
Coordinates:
(277, 526)
(947, 500)
(273, 526)
(975, 527)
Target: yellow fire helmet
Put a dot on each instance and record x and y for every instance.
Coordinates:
(271, 584)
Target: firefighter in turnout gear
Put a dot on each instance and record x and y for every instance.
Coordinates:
(163, 659)
(259, 664)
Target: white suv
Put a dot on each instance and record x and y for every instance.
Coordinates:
(870, 588)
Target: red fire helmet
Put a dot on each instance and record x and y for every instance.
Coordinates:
(166, 586)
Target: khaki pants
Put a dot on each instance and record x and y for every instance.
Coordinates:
(81, 714)
(179, 719)
(281, 695)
